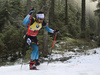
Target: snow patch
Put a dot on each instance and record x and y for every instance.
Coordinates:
(78, 65)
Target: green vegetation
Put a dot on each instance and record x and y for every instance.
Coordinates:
(12, 13)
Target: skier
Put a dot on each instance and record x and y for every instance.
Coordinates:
(36, 23)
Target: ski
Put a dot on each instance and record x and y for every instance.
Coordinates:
(34, 69)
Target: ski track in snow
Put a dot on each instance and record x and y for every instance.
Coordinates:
(83, 65)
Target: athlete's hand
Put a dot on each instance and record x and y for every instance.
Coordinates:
(31, 11)
(56, 31)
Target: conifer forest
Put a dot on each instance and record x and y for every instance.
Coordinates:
(75, 19)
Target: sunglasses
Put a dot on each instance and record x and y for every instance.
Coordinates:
(40, 18)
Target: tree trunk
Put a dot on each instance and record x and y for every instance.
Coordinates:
(83, 22)
(99, 26)
(99, 21)
(51, 13)
(45, 39)
(28, 7)
(66, 12)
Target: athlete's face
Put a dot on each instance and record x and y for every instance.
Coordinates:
(40, 20)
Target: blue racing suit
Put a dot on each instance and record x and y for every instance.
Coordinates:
(33, 30)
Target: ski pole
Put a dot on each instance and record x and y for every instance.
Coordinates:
(52, 48)
(54, 40)
(25, 41)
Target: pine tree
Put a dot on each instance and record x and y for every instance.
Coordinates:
(66, 12)
(28, 6)
(5, 15)
(45, 39)
(97, 13)
(51, 13)
(83, 21)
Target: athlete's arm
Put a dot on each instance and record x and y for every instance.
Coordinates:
(27, 18)
(49, 29)
(45, 25)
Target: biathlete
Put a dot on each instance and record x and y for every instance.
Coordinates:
(36, 24)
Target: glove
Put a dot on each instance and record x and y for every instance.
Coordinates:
(31, 11)
(56, 31)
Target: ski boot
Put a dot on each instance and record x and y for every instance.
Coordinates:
(32, 65)
(37, 62)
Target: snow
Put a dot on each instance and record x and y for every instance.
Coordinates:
(78, 65)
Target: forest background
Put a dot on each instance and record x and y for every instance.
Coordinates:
(76, 19)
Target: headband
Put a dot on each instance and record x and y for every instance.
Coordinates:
(40, 15)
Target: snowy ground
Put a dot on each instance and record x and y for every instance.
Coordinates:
(79, 65)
